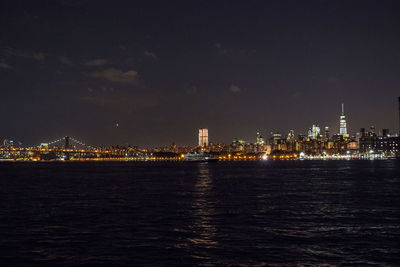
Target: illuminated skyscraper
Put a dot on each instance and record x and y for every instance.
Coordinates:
(309, 133)
(327, 133)
(343, 126)
(5, 143)
(260, 139)
(316, 132)
(203, 137)
(290, 136)
(372, 129)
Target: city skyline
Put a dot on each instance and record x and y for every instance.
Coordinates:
(153, 73)
(203, 136)
(313, 132)
(364, 144)
(199, 133)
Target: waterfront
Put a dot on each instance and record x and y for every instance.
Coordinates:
(279, 213)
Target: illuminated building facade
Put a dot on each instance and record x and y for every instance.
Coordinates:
(372, 129)
(343, 124)
(387, 145)
(237, 145)
(316, 132)
(326, 133)
(44, 145)
(275, 139)
(10, 143)
(203, 137)
(290, 136)
(260, 143)
(260, 140)
(366, 144)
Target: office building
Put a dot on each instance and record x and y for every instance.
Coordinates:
(260, 140)
(343, 125)
(203, 137)
(326, 133)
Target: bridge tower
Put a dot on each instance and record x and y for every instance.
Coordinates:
(66, 145)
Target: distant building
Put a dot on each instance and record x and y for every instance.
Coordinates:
(385, 132)
(260, 140)
(309, 133)
(343, 124)
(326, 134)
(237, 145)
(8, 143)
(203, 137)
(316, 132)
(44, 145)
(386, 145)
(362, 131)
(352, 145)
(372, 128)
(276, 141)
(5, 142)
(290, 137)
(260, 143)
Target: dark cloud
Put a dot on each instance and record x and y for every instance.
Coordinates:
(150, 54)
(116, 75)
(96, 62)
(38, 56)
(190, 89)
(66, 61)
(9, 51)
(5, 66)
(123, 101)
(311, 55)
(235, 89)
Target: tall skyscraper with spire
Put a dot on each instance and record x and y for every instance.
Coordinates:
(343, 125)
(399, 115)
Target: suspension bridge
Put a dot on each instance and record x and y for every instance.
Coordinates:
(67, 148)
(67, 142)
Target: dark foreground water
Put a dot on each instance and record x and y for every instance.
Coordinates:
(219, 214)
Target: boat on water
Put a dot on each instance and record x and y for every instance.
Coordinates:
(199, 157)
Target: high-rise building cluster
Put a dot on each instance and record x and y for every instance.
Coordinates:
(318, 142)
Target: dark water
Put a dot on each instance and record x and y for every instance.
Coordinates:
(225, 213)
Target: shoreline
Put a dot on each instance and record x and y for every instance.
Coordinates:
(186, 161)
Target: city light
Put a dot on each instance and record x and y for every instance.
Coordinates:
(315, 145)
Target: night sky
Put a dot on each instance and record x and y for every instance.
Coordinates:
(150, 73)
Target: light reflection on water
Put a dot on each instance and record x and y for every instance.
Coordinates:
(203, 208)
(225, 214)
